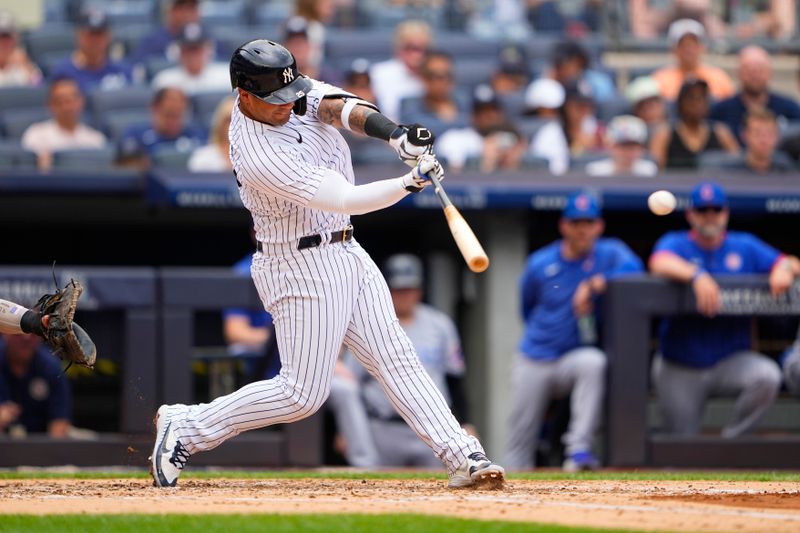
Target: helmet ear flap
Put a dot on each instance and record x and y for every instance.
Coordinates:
(300, 106)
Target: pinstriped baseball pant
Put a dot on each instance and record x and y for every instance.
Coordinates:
(320, 299)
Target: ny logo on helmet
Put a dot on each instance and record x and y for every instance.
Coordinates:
(287, 75)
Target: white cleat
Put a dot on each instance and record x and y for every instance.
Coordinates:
(478, 471)
(169, 456)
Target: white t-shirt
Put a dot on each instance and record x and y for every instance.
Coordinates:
(214, 78)
(550, 143)
(391, 82)
(48, 137)
(208, 158)
(605, 167)
(19, 76)
(457, 145)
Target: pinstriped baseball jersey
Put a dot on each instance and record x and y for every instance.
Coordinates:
(320, 298)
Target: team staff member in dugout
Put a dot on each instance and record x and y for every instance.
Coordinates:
(322, 289)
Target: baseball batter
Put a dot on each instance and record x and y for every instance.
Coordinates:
(323, 290)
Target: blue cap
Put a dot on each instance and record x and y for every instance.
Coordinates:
(709, 194)
(581, 206)
(403, 271)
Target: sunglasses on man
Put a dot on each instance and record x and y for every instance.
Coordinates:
(716, 209)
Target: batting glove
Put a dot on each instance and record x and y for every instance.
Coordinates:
(412, 141)
(418, 178)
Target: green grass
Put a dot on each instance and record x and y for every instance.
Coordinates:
(546, 475)
(340, 523)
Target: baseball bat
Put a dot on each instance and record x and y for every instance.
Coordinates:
(468, 244)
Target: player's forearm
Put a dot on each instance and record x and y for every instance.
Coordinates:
(357, 112)
(337, 195)
(673, 267)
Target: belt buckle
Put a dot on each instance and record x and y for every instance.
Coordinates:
(347, 231)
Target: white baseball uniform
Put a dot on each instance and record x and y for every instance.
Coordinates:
(319, 297)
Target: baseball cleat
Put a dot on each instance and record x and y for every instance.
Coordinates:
(169, 456)
(478, 471)
(581, 461)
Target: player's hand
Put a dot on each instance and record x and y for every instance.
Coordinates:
(418, 179)
(411, 142)
(9, 412)
(706, 292)
(781, 278)
(582, 303)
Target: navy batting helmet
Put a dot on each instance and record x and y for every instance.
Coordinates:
(268, 71)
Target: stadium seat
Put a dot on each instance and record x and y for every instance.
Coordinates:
(22, 97)
(84, 159)
(116, 122)
(529, 126)
(342, 46)
(579, 162)
(48, 39)
(130, 35)
(272, 14)
(16, 121)
(367, 151)
(154, 65)
(55, 11)
(790, 129)
(716, 159)
(171, 158)
(205, 104)
(222, 12)
(231, 37)
(612, 108)
(532, 162)
(133, 98)
(472, 72)
(513, 103)
(462, 45)
(14, 156)
(123, 12)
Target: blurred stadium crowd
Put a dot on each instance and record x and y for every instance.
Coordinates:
(504, 84)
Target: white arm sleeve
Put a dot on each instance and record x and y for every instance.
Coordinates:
(337, 195)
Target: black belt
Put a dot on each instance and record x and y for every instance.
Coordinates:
(312, 241)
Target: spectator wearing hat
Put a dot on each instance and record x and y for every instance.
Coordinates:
(296, 40)
(491, 140)
(570, 64)
(318, 14)
(761, 135)
(583, 131)
(197, 72)
(435, 339)
(16, 69)
(544, 99)
(161, 43)
(168, 130)
(626, 139)
(646, 102)
(357, 80)
(89, 64)
(64, 131)
(438, 107)
(512, 74)
(679, 146)
(708, 355)
(686, 37)
(401, 76)
(755, 73)
(558, 354)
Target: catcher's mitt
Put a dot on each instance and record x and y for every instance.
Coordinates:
(68, 340)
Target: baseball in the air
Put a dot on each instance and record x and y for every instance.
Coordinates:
(662, 202)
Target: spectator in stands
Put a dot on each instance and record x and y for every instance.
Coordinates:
(702, 357)
(89, 64)
(357, 80)
(214, 157)
(435, 339)
(35, 395)
(16, 69)
(646, 102)
(755, 73)
(761, 135)
(678, 146)
(512, 74)
(626, 138)
(317, 13)
(742, 20)
(160, 43)
(197, 72)
(168, 130)
(558, 356)
(438, 107)
(581, 127)
(570, 62)
(492, 140)
(686, 37)
(64, 131)
(401, 76)
(544, 99)
(296, 40)
(545, 16)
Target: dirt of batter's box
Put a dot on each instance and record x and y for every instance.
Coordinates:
(780, 500)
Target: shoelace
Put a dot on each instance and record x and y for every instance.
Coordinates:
(179, 456)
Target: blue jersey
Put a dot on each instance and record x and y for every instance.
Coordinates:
(43, 394)
(111, 77)
(702, 342)
(732, 111)
(143, 139)
(259, 318)
(548, 286)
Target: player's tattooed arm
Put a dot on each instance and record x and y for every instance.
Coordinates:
(330, 112)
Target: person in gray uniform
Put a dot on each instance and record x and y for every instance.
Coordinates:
(436, 341)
